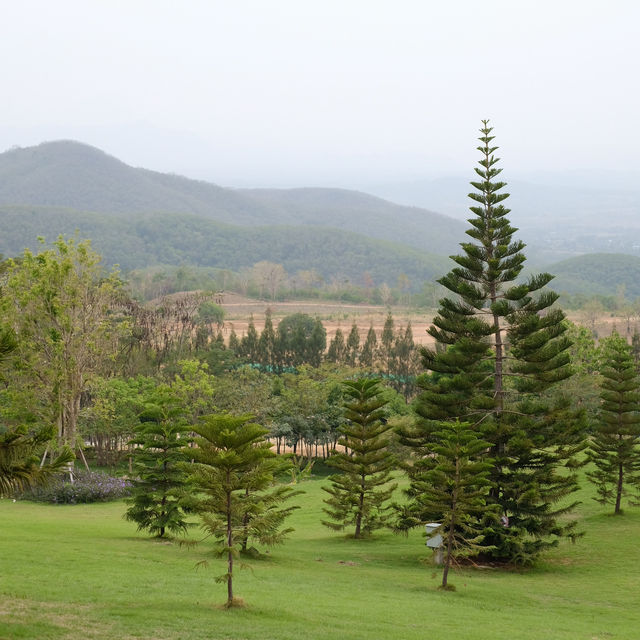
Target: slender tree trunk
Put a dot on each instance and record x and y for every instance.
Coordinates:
(452, 527)
(360, 507)
(164, 502)
(618, 510)
(245, 525)
(229, 545)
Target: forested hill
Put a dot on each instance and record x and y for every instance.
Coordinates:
(141, 240)
(597, 273)
(79, 177)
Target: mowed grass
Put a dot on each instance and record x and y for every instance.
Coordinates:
(82, 572)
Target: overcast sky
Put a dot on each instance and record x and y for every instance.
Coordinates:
(290, 92)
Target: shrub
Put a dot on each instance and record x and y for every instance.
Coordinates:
(88, 486)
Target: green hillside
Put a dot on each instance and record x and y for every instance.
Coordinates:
(142, 240)
(79, 177)
(597, 273)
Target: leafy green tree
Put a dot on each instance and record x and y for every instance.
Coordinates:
(233, 471)
(506, 351)
(159, 503)
(301, 339)
(244, 390)
(454, 491)
(110, 419)
(615, 446)
(359, 492)
(60, 304)
(308, 411)
(194, 388)
(210, 313)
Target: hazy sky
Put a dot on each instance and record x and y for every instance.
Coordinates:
(288, 92)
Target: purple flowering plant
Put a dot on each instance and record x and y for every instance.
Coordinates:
(88, 486)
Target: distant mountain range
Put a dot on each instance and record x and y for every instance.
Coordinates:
(138, 218)
(76, 176)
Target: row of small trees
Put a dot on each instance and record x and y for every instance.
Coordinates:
(300, 339)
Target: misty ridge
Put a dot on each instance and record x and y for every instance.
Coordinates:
(139, 218)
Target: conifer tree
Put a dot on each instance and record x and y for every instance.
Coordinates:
(498, 328)
(387, 340)
(159, 502)
(359, 491)
(249, 342)
(267, 342)
(353, 345)
(234, 343)
(369, 349)
(403, 360)
(234, 470)
(453, 490)
(317, 344)
(615, 447)
(337, 347)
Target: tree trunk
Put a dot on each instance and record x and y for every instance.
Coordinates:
(618, 510)
(360, 508)
(452, 527)
(229, 545)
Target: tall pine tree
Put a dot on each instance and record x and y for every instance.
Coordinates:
(506, 349)
(615, 447)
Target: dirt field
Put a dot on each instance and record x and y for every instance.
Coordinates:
(333, 315)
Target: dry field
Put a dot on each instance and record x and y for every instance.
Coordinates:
(333, 315)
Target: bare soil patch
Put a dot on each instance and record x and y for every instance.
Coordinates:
(333, 315)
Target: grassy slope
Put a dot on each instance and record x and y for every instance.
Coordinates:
(82, 572)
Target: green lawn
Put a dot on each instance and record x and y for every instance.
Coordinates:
(82, 572)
